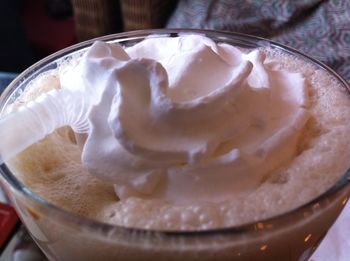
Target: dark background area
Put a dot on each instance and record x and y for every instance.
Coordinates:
(15, 53)
(33, 29)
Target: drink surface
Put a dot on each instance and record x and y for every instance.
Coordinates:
(52, 167)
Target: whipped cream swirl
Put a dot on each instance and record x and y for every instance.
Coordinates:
(184, 118)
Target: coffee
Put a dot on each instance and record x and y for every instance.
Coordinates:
(53, 170)
(52, 167)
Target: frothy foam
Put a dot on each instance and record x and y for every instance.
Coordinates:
(52, 169)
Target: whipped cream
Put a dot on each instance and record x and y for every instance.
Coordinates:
(186, 119)
(179, 119)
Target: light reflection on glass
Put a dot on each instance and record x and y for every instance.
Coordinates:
(263, 248)
(345, 200)
(307, 237)
(316, 206)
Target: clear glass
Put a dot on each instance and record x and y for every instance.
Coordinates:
(65, 236)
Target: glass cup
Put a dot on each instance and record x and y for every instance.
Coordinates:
(65, 236)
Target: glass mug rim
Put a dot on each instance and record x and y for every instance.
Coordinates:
(100, 227)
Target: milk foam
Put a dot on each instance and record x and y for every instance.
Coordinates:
(321, 157)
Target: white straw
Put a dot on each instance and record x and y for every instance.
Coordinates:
(33, 121)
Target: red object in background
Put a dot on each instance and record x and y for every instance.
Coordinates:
(45, 33)
(8, 223)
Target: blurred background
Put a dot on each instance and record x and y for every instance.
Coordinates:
(33, 29)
